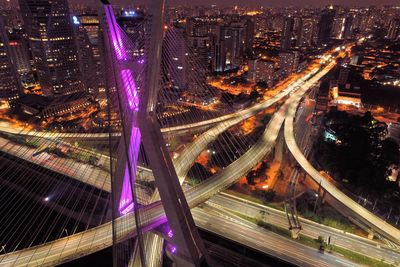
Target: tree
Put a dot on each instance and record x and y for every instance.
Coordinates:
(390, 151)
(263, 167)
(367, 118)
(265, 195)
(262, 84)
(265, 120)
(262, 214)
(250, 178)
(198, 172)
(92, 160)
(321, 242)
(280, 175)
(254, 95)
(269, 195)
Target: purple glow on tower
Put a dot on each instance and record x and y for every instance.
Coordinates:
(126, 199)
(115, 34)
(172, 248)
(126, 78)
(170, 233)
(130, 89)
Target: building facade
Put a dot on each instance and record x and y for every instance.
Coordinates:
(287, 33)
(91, 53)
(10, 87)
(51, 37)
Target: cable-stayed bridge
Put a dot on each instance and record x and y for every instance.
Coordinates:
(194, 196)
(129, 82)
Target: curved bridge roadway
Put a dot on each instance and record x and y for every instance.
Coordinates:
(356, 210)
(95, 239)
(100, 178)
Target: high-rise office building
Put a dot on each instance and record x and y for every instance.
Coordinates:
(10, 87)
(348, 27)
(287, 33)
(342, 27)
(249, 35)
(338, 27)
(235, 36)
(196, 28)
(308, 28)
(325, 25)
(261, 70)
(297, 25)
(343, 75)
(356, 60)
(198, 62)
(174, 59)
(200, 47)
(12, 16)
(91, 53)
(51, 37)
(218, 56)
(19, 52)
(289, 62)
(132, 22)
(394, 29)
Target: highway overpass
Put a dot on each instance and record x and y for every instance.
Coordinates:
(377, 224)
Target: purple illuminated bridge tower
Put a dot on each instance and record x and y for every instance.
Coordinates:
(140, 125)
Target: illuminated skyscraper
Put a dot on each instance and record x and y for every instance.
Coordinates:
(338, 27)
(19, 52)
(10, 87)
(49, 28)
(12, 17)
(325, 25)
(174, 63)
(394, 29)
(287, 33)
(133, 24)
(342, 27)
(261, 70)
(91, 52)
(218, 56)
(306, 33)
(249, 35)
(289, 62)
(200, 46)
(234, 37)
(343, 75)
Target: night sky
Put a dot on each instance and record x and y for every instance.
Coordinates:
(257, 3)
(276, 3)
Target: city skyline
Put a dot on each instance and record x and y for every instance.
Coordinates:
(266, 4)
(199, 135)
(250, 3)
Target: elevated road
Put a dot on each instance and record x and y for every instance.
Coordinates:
(359, 212)
(85, 173)
(10, 128)
(259, 239)
(100, 178)
(234, 229)
(312, 229)
(95, 239)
